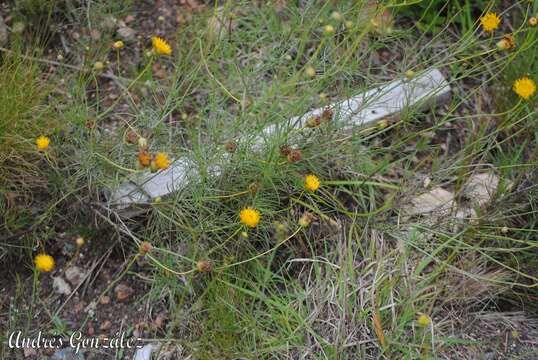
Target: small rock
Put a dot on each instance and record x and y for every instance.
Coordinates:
(60, 286)
(126, 33)
(74, 275)
(123, 292)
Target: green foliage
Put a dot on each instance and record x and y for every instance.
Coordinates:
(434, 15)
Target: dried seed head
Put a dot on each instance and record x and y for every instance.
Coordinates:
(508, 42)
(306, 219)
(295, 156)
(313, 122)
(327, 114)
(90, 124)
(204, 266)
(131, 137)
(285, 149)
(144, 248)
(142, 142)
(230, 147)
(254, 187)
(144, 158)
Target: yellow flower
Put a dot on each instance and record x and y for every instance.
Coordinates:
(424, 320)
(44, 262)
(524, 87)
(311, 182)
(250, 217)
(42, 142)
(162, 161)
(490, 21)
(160, 46)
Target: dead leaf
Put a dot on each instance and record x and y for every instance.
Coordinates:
(437, 199)
(123, 292)
(481, 187)
(378, 327)
(105, 300)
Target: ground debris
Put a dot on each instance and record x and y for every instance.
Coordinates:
(437, 199)
(123, 292)
(67, 354)
(481, 187)
(145, 352)
(60, 286)
(74, 275)
(3, 32)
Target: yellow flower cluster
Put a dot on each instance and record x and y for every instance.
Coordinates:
(44, 263)
(160, 46)
(42, 142)
(524, 87)
(490, 21)
(249, 217)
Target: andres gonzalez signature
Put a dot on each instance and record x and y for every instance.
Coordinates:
(76, 341)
